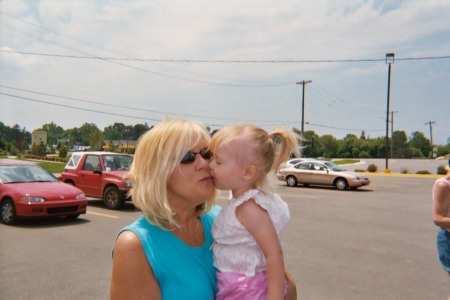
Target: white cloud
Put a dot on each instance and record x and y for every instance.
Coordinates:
(226, 30)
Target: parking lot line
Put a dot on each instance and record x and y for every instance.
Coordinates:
(102, 215)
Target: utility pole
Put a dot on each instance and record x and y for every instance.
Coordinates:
(392, 133)
(431, 135)
(389, 60)
(303, 113)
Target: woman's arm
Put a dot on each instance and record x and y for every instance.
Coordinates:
(258, 223)
(132, 276)
(441, 204)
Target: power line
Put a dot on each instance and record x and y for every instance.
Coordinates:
(78, 108)
(339, 128)
(118, 106)
(115, 60)
(113, 105)
(226, 61)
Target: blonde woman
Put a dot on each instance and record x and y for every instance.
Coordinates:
(166, 253)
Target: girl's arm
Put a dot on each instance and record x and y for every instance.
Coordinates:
(258, 223)
(132, 276)
(441, 204)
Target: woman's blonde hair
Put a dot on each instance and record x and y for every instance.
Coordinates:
(264, 150)
(158, 153)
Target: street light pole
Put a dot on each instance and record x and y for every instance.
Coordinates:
(389, 60)
(303, 112)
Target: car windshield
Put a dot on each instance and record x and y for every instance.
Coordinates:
(25, 173)
(117, 162)
(334, 167)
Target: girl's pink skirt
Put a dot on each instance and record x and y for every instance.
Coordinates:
(234, 286)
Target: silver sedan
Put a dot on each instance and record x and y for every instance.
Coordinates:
(322, 173)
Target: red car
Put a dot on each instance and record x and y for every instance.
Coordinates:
(100, 175)
(27, 190)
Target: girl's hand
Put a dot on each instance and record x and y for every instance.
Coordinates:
(292, 288)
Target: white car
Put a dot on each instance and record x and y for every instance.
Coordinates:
(292, 162)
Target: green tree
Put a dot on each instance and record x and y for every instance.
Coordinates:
(54, 132)
(443, 150)
(96, 139)
(86, 130)
(114, 132)
(39, 149)
(328, 146)
(63, 151)
(377, 147)
(138, 130)
(419, 141)
(400, 148)
(348, 147)
(311, 145)
(415, 152)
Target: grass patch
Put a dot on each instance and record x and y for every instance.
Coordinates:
(346, 161)
(52, 167)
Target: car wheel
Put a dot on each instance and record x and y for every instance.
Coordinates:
(8, 211)
(341, 184)
(112, 198)
(291, 181)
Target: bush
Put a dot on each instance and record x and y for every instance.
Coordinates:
(441, 170)
(372, 168)
(404, 171)
(360, 170)
(423, 172)
(62, 151)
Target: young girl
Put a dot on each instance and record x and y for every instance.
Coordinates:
(247, 248)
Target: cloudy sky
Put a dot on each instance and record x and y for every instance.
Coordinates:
(224, 62)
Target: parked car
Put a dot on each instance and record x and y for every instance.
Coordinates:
(27, 190)
(292, 162)
(322, 173)
(100, 175)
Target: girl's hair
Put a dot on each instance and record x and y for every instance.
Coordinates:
(264, 150)
(158, 153)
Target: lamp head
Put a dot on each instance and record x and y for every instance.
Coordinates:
(390, 57)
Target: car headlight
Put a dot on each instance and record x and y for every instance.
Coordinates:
(128, 184)
(31, 199)
(80, 196)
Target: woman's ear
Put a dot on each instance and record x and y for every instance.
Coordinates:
(249, 172)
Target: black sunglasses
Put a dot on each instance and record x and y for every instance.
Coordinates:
(189, 157)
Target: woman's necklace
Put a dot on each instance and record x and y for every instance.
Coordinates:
(190, 235)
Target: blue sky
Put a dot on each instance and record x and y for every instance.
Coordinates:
(225, 62)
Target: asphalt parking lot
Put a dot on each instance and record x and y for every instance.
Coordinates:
(374, 243)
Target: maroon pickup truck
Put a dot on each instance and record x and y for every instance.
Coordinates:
(100, 175)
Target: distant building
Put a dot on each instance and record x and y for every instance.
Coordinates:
(39, 136)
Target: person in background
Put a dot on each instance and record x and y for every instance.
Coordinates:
(247, 249)
(441, 218)
(166, 253)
